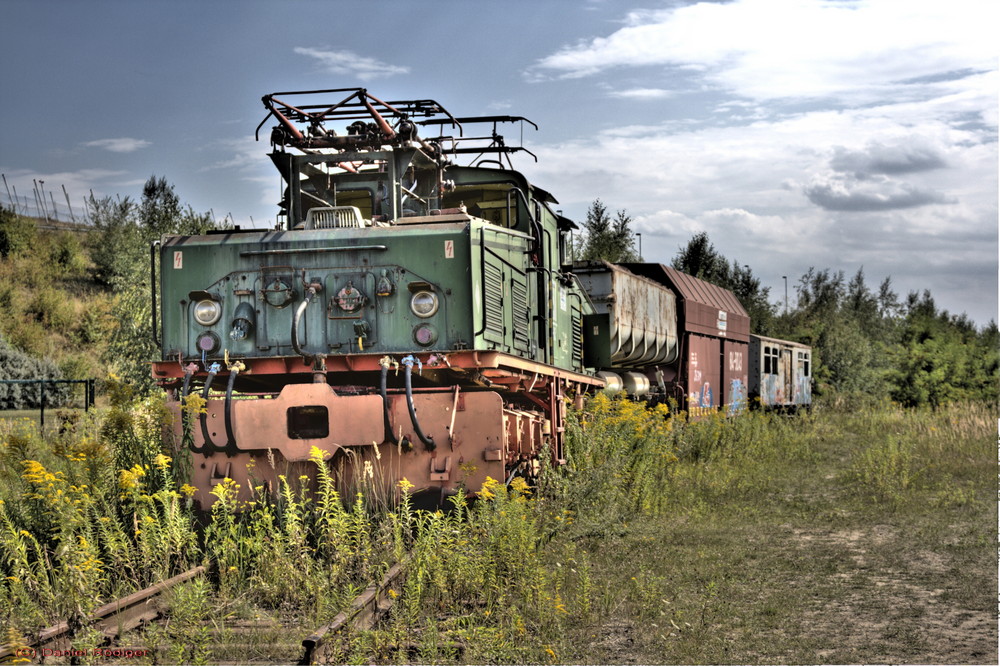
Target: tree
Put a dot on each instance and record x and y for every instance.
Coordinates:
(15, 364)
(606, 239)
(125, 231)
(700, 259)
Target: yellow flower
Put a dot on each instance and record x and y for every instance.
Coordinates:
(404, 485)
(194, 404)
(489, 486)
(129, 479)
(520, 486)
(188, 490)
(162, 462)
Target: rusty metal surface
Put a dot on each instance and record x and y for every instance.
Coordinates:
(643, 313)
(363, 613)
(703, 388)
(347, 363)
(735, 368)
(715, 376)
(473, 435)
(263, 424)
(703, 308)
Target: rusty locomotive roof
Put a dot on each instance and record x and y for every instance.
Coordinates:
(704, 307)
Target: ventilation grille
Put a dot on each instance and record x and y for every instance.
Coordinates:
(493, 302)
(577, 339)
(519, 306)
(337, 217)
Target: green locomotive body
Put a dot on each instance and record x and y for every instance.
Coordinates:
(408, 310)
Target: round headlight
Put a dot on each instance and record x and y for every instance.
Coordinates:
(207, 312)
(424, 303)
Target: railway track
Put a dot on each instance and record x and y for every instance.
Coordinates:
(263, 639)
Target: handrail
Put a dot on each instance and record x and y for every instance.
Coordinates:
(152, 285)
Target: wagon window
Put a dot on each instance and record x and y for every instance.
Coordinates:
(770, 360)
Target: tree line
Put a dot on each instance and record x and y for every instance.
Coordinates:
(866, 340)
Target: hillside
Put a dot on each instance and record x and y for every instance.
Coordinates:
(51, 306)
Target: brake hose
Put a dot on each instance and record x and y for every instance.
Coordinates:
(389, 436)
(428, 441)
(208, 446)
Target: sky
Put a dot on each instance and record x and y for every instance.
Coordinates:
(844, 135)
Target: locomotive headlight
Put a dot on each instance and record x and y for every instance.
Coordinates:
(424, 303)
(207, 312)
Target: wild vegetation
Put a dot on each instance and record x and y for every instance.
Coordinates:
(75, 304)
(860, 533)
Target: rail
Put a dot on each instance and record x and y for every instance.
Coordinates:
(112, 620)
(363, 613)
(115, 619)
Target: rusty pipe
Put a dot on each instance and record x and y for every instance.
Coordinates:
(389, 133)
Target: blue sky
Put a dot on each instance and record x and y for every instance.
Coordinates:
(797, 133)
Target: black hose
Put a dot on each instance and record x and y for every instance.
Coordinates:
(231, 448)
(428, 441)
(208, 446)
(389, 436)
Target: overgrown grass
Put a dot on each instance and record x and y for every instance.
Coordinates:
(854, 535)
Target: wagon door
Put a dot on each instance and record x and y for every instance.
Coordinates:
(787, 372)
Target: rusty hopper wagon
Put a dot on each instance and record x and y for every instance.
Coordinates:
(414, 313)
(670, 336)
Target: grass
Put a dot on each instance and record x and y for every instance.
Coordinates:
(848, 537)
(860, 535)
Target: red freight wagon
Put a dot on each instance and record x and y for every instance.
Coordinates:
(714, 331)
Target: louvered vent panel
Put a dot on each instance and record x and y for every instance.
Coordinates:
(577, 339)
(519, 306)
(493, 302)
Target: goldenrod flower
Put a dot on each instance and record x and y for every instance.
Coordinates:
(194, 404)
(162, 462)
(520, 486)
(129, 479)
(489, 486)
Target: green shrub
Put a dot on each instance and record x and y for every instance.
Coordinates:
(52, 308)
(16, 232)
(15, 364)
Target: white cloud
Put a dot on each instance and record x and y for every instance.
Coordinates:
(345, 62)
(120, 145)
(776, 49)
(643, 93)
(904, 189)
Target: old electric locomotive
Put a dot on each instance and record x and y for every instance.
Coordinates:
(408, 311)
(414, 314)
